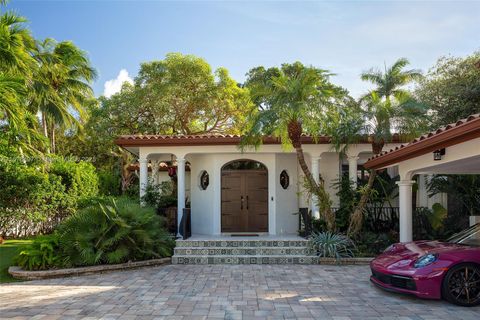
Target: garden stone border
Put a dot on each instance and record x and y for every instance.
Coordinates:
(19, 273)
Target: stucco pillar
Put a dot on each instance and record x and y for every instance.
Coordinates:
(180, 190)
(405, 199)
(143, 175)
(316, 177)
(352, 170)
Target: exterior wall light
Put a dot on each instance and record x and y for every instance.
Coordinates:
(438, 154)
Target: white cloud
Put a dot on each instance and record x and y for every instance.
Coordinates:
(115, 85)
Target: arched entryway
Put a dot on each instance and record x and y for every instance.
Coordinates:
(244, 196)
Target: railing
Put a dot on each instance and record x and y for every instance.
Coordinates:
(376, 219)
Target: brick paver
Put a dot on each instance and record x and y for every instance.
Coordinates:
(220, 292)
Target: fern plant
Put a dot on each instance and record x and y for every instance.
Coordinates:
(42, 254)
(331, 245)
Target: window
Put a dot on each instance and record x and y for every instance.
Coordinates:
(284, 179)
(244, 165)
(204, 180)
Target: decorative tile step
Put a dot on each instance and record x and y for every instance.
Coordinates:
(241, 243)
(301, 259)
(241, 251)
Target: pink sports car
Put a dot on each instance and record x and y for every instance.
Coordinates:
(433, 269)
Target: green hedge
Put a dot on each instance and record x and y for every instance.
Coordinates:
(36, 196)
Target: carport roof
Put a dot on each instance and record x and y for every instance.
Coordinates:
(449, 135)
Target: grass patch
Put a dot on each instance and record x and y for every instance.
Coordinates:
(8, 250)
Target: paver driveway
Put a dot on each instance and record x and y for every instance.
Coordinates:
(221, 292)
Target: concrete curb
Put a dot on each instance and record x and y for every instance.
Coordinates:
(19, 273)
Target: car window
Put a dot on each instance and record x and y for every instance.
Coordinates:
(470, 236)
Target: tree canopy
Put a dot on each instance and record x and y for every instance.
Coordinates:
(451, 89)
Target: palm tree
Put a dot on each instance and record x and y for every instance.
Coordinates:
(387, 109)
(16, 65)
(290, 102)
(61, 85)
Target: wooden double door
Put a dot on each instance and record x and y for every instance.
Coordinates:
(244, 201)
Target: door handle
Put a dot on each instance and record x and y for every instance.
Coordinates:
(241, 202)
(247, 202)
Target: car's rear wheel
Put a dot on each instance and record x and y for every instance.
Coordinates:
(462, 285)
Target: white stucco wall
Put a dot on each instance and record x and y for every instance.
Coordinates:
(206, 204)
(202, 206)
(287, 199)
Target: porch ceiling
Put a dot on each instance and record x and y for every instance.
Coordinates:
(463, 166)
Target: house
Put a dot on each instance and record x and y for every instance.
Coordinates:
(231, 191)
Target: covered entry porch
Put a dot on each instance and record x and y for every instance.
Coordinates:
(453, 149)
(263, 199)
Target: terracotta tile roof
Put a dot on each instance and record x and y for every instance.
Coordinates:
(451, 134)
(209, 139)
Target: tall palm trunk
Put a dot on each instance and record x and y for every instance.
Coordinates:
(317, 189)
(52, 140)
(356, 220)
(45, 128)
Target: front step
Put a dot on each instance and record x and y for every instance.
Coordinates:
(225, 243)
(245, 251)
(303, 259)
(240, 251)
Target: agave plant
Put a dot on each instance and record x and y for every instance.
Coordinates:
(331, 245)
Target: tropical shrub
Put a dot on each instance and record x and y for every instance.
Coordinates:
(78, 177)
(118, 232)
(331, 245)
(370, 244)
(160, 195)
(35, 196)
(109, 183)
(41, 254)
(348, 198)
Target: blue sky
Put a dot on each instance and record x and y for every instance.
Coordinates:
(346, 37)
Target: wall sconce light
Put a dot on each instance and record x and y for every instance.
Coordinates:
(438, 154)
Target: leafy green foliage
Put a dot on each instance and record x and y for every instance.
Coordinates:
(109, 183)
(451, 89)
(331, 245)
(162, 195)
(348, 198)
(118, 232)
(438, 215)
(37, 195)
(41, 254)
(370, 244)
(79, 178)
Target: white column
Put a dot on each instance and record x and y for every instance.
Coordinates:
(143, 176)
(180, 190)
(316, 177)
(405, 199)
(352, 170)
